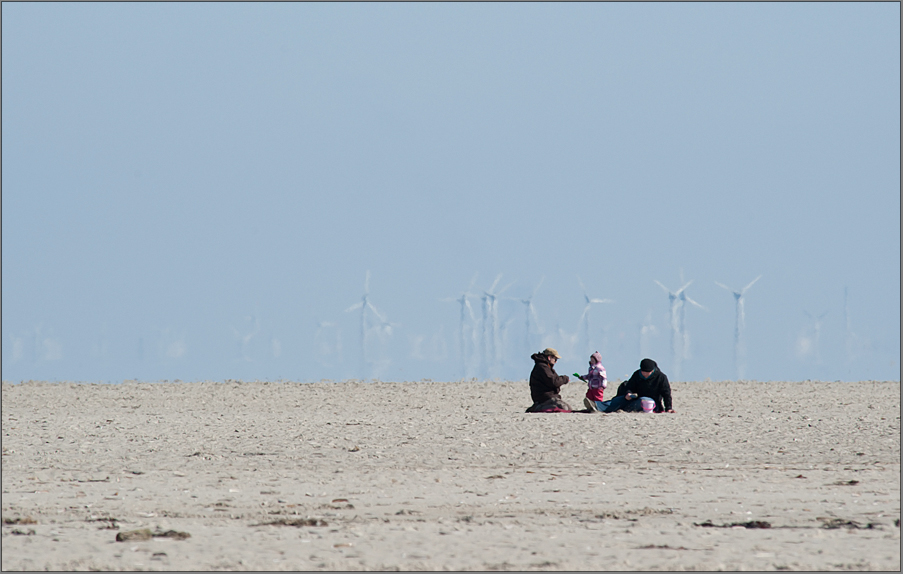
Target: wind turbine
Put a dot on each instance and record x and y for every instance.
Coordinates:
(739, 347)
(585, 316)
(675, 303)
(816, 327)
(465, 305)
(647, 329)
(504, 331)
(684, 336)
(530, 313)
(364, 304)
(244, 340)
(328, 346)
(567, 342)
(847, 333)
(491, 324)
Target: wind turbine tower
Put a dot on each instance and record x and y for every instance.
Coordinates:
(674, 304)
(244, 340)
(816, 328)
(465, 306)
(647, 330)
(364, 304)
(491, 327)
(530, 314)
(684, 336)
(740, 327)
(848, 336)
(584, 318)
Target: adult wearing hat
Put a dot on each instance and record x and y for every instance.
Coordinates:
(647, 385)
(545, 384)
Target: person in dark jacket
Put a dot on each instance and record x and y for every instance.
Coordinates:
(647, 383)
(545, 384)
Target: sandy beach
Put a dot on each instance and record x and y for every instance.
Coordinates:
(447, 476)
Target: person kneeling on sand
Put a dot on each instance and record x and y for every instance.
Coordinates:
(545, 383)
(647, 390)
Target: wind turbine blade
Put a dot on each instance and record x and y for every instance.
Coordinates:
(367, 283)
(506, 287)
(582, 286)
(684, 287)
(470, 310)
(750, 284)
(494, 283)
(695, 303)
(585, 311)
(668, 291)
(357, 305)
(535, 289)
(535, 318)
(601, 301)
(376, 312)
(472, 281)
(723, 286)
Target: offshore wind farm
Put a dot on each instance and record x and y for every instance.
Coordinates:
(490, 332)
(290, 191)
(481, 352)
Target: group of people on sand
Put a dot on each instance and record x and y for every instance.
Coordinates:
(647, 390)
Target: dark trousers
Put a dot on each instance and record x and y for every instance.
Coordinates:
(622, 404)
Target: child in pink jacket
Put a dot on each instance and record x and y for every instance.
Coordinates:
(596, 382)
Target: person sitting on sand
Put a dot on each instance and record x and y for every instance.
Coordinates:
(545, 383)
(647, 385)
(596, 382)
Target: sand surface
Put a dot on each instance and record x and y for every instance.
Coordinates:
(432, 476)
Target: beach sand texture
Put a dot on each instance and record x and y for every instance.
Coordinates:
(432, 476)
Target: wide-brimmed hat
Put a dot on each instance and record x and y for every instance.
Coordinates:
(550, 352)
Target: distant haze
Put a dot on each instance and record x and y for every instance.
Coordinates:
(198, 190)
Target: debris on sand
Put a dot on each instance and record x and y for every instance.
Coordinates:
(146, 534)
(626, 514)
(111, 523)
(834, 523)
(750, 524)
(26, 520)
(295, 522)
(174, 534)
(134, 535)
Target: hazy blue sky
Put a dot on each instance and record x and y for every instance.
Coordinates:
(196, 191)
